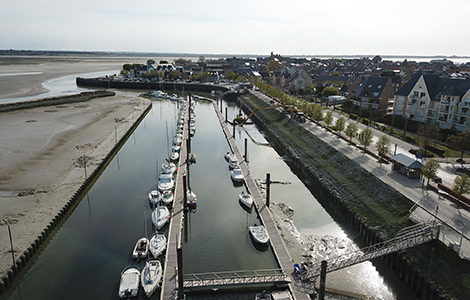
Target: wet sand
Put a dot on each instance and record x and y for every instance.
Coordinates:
(41, 165)
(45, 68)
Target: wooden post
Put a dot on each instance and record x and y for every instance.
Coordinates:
(179, 257)
(321, 292)
(185, 193)
(115, 133)
(225, 114)
(84, 164)
(233, 131)
(268, 188)
(11, 244)
(246, 150)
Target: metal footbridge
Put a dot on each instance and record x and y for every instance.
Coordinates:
(406, 238)
(234, 278)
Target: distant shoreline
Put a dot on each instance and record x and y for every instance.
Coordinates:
(59, 53)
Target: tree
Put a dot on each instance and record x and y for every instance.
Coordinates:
(429, 170)
(328, 118)
(383, 145)
(182, 61)
(201, 76)
(427, 133)
(201, 60)
(351, 130)
(317, 113)
(127, 67)
(340, 123)
(460, 142)
(365, 137)
(150, 62)
(273, 65)
(461, 185)
(329, 91)
(163, 62)
(175, 74)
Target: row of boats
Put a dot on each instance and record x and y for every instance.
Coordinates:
(162, 198)
(257, 232)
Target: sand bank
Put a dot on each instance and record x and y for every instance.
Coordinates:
(41, 151)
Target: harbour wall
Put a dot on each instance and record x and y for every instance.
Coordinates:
(27, 257)
(336, 201)
(81, 97)
(162, 85)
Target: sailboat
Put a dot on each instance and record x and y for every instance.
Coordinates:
(160, 216)
(154, 196)
(157, 245)
(151, 276)
(259, 234)
(245, 199)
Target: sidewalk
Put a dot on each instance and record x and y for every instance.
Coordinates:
(427, 203)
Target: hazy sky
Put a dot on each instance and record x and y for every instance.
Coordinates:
(401, 27)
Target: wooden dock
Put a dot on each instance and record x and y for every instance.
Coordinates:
(277, 244)
(170, 275)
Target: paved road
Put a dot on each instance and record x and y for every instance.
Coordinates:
(427, 202)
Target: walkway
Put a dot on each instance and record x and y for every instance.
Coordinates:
(170, 277)
(277, 244)
(428, 200)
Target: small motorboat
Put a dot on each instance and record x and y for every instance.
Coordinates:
(157, 245)
(129, 285)
(151, 276)
(168, 167)
(160, 216)
(165, 182)
(263, 296)
(259, 234)
(192, 158)
(174, 156)
(237, 175)
(154, 196)
(167, 197)
(141, 248)
(233, 162)
(191, 199)
(245, 199)
(175, 148)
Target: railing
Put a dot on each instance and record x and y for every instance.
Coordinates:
(406, 238)
(217, 279)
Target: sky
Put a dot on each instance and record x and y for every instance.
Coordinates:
(294, 27)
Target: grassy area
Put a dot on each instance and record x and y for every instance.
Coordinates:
(383, 208)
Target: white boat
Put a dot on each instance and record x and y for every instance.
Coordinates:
(259, 234)
(129, 285)
(191, 199)
(175, 148)
(263, 296)
(174, 156)
(141, 248)
(174, 97)
(151, 276)
(167, 197)
(245, 199)
(237, 175)
(233, 162)
(168, 167)
(165, 182)
(177, 140)
(157, 245)
(192, 158)
(154, 196)
(160, 216)
(227, 156)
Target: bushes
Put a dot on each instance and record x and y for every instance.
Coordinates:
(421, 152)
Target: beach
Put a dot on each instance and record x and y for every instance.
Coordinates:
(42, 160)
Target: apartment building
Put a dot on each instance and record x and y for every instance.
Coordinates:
(372, 92)
(429, 98)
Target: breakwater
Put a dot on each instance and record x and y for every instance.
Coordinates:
(27, 257)
(84, 96)
(331, 186)
(160, 85)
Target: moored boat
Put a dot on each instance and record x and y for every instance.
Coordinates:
(154, 196)
(165, 182)
(151, 276)
(174, 156)
(245, 199)
(191, 199)
(237, 175)
(167, 197)
(233, 162)
(160, 216)
(168, 167)
(129, 285)
(157, 245)
(141, 248)
(259, 234)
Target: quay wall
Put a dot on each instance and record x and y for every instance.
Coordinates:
(163, 85)
(27, 257)
(414, 267)
(81, 97)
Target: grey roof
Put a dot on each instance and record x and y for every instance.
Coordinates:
(406, 161)
(436, 85)
(371, 86)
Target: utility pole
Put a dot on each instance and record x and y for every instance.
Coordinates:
(268, 188)
(246, 150)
